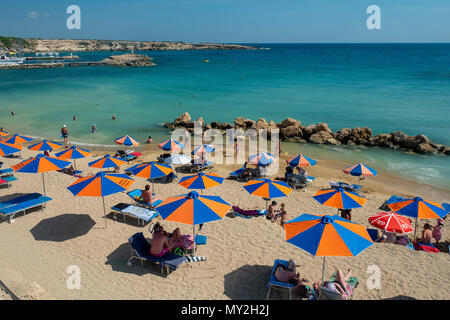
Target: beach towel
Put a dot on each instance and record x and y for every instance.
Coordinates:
(248, 213)
(425, 247)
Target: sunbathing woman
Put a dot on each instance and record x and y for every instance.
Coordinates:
(160, 242)
(427, 235)
(287, 273)
(340, 284)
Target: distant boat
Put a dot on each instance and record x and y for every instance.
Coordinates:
(5, 60)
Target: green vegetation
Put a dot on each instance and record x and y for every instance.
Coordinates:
(10, 42)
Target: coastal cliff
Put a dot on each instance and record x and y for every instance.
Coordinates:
(28, 45)
(292, 130)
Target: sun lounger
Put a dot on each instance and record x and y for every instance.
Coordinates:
(346, 186)
(237, 174)
(294, 181)
(136, 195)
(247, 214)
(10, 208)
(166, 179)
(6, 172)
(141, 251)
(128, 155)
(373, 233)
(6, 181)
(278, 285)
(77, 173)
(199, 167)
(143, 215)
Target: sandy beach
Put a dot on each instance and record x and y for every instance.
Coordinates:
(38, 248)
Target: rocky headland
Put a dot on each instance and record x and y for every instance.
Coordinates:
(29, 45)
(292, 130)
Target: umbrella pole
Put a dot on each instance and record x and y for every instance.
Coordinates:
(104, 209)
(75, 164)
(43, 182)
(415, 228)
(323, 268)
(193, 236)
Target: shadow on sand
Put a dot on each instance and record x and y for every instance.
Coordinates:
(247, 282)
(63, 227)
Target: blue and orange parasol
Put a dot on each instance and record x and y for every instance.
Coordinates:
(17, 138)
(339, 198)
(360, 170)
(171, 145)
(301, 161)
(8, 148)
(204, 148)
(100, 185)
(107, 162)
(261, 159)
(327, 235)
(45, 145)
(127, 141)
(201, 181)
(40, 164)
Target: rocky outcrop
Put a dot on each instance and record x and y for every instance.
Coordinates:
(129, 60)
(292, 130)
(69, 45)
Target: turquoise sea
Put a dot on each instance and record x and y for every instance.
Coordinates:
(387, 87)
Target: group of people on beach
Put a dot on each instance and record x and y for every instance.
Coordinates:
(288, 274)
(273, 214)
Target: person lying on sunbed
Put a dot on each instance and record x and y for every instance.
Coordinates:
(340, 285)
(160, 242)
(288, 274)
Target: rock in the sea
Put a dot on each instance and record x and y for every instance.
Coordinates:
(398, 137)
(381, 139)
(240, 122)
(411, 142)
(290, 122)
(361, 135)
(262, 124)
(424, 148)
(129, 60)
(291, 132)
(320, 137)
(343, 134)
(182, 119)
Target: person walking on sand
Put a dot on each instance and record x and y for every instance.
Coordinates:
(65, 134)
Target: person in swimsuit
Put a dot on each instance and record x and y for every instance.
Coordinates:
(64, 134)
(160, 242)
(427, 235)
(340, 284)
(270, 215)
(437, 230)
(146, 195)
(94, 128)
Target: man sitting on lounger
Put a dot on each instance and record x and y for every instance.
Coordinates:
(146, 195)
(160, 242)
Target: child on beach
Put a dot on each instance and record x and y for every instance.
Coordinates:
(437, 230)
(283, 215)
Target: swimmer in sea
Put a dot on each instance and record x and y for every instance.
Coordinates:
(12, 113)
(74, 118)
(114, 116)
(94, 128)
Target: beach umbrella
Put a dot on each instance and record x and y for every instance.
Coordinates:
(201, 181)
(127, 141)
(40, 164)
(419, 209)
(327, 236)
(177, 159)
(3, 133)
(151, 170)
(106, 162)
(204, 148)
(339, 198)
(301, 161)
(360, 170)
(171, 145)
(193, 209)
(17, 138)
(45, 145)
(100, 185)
(391, 222)
(267, 188)
(73, 153)
(261, 159)
(8, 148)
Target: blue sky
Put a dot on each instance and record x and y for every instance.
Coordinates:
(239, 21)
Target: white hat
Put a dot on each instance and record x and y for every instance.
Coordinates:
(64, 126)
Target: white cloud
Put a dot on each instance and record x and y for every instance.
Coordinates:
(33, 15)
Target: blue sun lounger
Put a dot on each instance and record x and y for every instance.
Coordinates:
(236, 174)
(140, 250)
(8, 180)
(136, 195)
(278, 285)
(10, 208)
(143, 215)
(6, 172)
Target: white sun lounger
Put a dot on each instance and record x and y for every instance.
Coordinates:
(143, 215)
